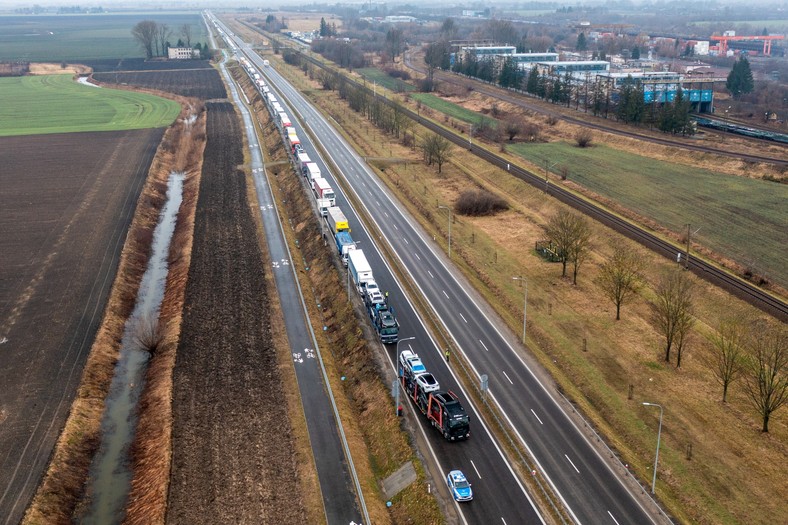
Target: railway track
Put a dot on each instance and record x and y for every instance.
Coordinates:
(503, 94)
(711, 273)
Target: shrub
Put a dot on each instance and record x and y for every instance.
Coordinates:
(479, 203)
(584, 137)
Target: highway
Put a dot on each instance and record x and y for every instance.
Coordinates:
(590, 489)
(338, 482)
(499, 495)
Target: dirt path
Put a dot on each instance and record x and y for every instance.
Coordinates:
(233, 458)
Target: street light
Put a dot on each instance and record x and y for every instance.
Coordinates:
(396, 406)
(525, 301)
(449, 209)
(659, 435)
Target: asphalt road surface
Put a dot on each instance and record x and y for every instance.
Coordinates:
(499, 495)
(587, 484)
(336, 480)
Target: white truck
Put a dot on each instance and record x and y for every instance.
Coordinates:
(303, 159)
(323, 190)
(311, 171)
(323, 205)
(359, 267)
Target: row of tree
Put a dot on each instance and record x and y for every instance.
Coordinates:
(755, 351)
(757, 355)
(154, 38)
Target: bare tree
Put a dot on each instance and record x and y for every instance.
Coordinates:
(621, 276)
(145, 33)
(673, 310)
(565, 229)
(437, 150)
(163, 32)
(727, 361)
(186, 33)
(767, 380)
(512, 127)
(581, 244)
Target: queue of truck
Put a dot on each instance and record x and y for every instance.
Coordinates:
(441, 408)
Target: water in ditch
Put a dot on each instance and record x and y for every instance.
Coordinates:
(110, 476)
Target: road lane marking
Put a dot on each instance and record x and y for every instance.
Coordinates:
(612, 518)
(417, 256)
(484, 345)
(464, 319)
(444, 293)
(570, 462)
(477, 470)
(537, 417)
(503, 520)
(429, 272)
(406, 240)
(507, 377)
(395, 227)
(386, 214)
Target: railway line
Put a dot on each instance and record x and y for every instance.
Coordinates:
(713, 274)
(503, 94)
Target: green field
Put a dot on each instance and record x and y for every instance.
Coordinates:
(373, 74)
(451, 109)
(57, 104)
(744, 219)
(56, 38)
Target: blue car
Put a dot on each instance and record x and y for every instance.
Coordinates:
(459, 486)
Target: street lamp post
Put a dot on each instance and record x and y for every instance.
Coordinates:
(659, 435)
(525, 301)
(399, 386)
(449, 209)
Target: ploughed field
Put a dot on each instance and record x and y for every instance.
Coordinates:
(66, 204)
(200, 83)
(232, 451)
(105, 65)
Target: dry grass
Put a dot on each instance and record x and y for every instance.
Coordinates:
(735, 473)
(151, 448)
(58, 498)
(45, 68)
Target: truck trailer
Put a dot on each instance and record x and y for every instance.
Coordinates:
(359, 267)
(345, 245)
(323, 190)
(302, 159)
(336, 220)
(311, 171)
